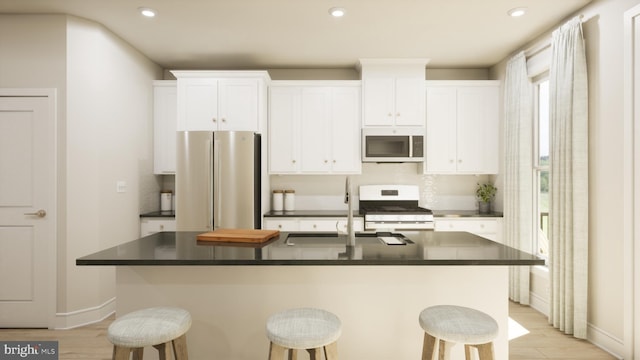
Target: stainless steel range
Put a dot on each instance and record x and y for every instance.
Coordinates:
(393, 207)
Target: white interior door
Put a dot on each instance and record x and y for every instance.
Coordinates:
(27, 207)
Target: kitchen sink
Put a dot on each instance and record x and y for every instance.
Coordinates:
(336, 239)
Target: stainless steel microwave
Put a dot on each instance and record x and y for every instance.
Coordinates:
(392, 145)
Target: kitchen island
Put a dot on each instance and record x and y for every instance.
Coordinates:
(377, 290)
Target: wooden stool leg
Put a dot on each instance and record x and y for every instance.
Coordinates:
(428, 347)
(485, 351)
(180, 348)
(293, 354)
(137, 353)
(276, 352)
(163, 351)
(121, 353)
(315, 354)
(443, 350)
(331, 351)
(467, 352)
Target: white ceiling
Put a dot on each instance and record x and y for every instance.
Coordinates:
(263, 34)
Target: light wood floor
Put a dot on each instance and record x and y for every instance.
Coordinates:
(544, 342)
(541, 342)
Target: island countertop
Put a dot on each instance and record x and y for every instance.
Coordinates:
(422, 248)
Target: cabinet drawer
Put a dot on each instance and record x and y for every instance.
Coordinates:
(319, 225)
(282, 224)
(472, 226)
(150, 226)
(307, 224)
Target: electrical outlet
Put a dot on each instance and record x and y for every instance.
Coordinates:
(121, 186)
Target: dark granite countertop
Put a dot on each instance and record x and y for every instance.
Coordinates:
(463, 214)
(170, 213)
(422, 248)
(310, 213)
(343, 213)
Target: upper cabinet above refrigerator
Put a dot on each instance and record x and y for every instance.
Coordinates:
(222, 100)
(393, 92)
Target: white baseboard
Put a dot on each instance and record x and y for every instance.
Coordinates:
(86, 316)
(539, 303)
(605, 341)
(596, 336)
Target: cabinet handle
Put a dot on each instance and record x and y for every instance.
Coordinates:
(279, 226)
(390, 115)
(459, 161)
(293, 161)
(334, 161)
(326, 161)
(451, 161)
(214, 119)
(224, 120)
(398, 114)
(161, 227)
(314, 226)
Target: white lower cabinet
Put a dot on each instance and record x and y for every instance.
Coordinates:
(311, 224)
(152, 225)
(490, 228)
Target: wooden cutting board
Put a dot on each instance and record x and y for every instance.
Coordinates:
(255, 236)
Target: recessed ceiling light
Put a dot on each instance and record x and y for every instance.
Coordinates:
(147, 12)
(337, 12)
(516, 12)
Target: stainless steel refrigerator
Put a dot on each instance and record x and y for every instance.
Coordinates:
(218, 180)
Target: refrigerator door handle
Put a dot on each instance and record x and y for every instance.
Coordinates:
(214, 180)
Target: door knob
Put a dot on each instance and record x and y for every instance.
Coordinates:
(39, 213)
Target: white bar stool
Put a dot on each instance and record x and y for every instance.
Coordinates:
(444, 324)
(157, 327)
(314, 330)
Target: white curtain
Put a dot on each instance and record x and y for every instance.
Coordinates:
(569, 185)
(518, 183)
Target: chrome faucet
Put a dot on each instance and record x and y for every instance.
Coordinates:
(348, 199)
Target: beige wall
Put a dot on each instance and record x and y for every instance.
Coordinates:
(603, 33)
(104, 115)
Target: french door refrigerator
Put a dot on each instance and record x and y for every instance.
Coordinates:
(218, 180)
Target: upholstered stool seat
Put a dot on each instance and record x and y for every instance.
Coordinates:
(314, 330)
(444, 324)
(157, 327)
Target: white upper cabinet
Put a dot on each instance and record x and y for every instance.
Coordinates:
(221, 100)
(314, 127)
(164, 127)
(462, 127)
(393, 92)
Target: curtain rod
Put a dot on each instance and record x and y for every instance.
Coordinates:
(534, 49)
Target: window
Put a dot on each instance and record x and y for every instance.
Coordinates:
(541, 167)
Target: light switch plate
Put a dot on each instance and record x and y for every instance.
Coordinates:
(121, 186)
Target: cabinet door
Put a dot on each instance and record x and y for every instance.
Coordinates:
(409, 102)
(284, 118)
(150, 226)
(198, 104)
(345, 130)
(164, 128)
(478, 130)
(441, 130)
(470, 130)
(315, 126)
(238, 104)
(378, 101)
